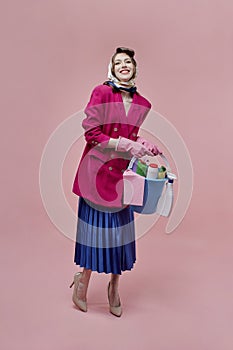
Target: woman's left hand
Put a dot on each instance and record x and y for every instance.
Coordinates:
(149, 145)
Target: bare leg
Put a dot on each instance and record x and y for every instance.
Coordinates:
(83, 284)
(114, 298)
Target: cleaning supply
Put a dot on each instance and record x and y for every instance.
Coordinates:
(145, 194)
(165, 202)
(141, 168)
(161, 172)
(133, 187)
(152, 171)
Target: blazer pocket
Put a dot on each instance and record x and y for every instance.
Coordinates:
(101, 155)
(107, 183)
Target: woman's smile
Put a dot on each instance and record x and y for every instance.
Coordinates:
(124, 71)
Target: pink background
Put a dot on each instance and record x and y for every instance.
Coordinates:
(53, 52)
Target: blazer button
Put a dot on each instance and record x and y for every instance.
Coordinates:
(134, 134)
(115, 129)
(122, 170)
(112, 156)
(110, 168)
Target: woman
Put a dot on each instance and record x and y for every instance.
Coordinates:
(105, 240)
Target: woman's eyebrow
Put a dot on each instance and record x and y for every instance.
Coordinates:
(118, 60)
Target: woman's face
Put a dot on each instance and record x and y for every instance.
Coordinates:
(123, 67)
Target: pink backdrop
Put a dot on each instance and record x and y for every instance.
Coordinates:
(179, 296)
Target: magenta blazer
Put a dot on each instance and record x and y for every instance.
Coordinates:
(99, 176)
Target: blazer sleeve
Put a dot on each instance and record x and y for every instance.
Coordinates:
(94, 121)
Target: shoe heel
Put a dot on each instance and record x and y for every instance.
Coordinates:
(75, 277)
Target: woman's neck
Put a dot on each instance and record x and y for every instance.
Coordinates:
(127, 100)
(126, 95)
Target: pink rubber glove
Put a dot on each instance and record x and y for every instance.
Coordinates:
(135, 149)
(150, 146)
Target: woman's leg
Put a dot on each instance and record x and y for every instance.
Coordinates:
(114, 298)
(83, 284)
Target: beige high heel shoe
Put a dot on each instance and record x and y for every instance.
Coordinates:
(82, 305)
(115, 310)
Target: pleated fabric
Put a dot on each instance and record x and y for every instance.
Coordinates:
(105, 239)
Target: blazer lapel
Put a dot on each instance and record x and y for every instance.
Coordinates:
(133, 116)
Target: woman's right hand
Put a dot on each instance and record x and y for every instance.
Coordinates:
(153, 148)
(135, 149)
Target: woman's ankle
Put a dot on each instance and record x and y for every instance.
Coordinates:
(85, 277)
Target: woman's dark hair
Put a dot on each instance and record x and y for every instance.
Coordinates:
(128, 52)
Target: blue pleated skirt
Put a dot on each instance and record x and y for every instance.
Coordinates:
(105, 239)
